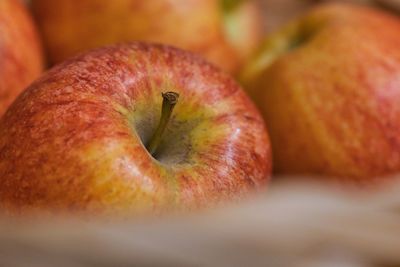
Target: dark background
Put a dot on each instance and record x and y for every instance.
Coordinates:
(277, 12)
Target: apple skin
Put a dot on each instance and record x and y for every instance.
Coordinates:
(21, 57)
(73, 141)
(328, 86)
(226, 34)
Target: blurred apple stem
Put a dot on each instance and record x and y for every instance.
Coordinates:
(169, 101)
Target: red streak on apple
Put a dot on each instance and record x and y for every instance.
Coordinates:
(74, 139)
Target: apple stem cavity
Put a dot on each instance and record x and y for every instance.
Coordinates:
(169, 101)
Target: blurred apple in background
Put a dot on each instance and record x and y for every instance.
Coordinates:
(85, 135)
(328, 85)
(20, 51)
(224, 31)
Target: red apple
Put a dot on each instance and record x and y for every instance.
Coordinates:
(79, 137)
(328, 85)
(224, 31)
(20, 51)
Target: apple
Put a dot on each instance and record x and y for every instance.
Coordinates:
(106, 132)
(21, 56)
(224, 31)
(328, 86)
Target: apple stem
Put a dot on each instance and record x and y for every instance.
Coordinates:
(169, 101)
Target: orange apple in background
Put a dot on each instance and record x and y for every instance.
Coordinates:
(85, 136)
(328, 86)
(20, 51)
(223, 31)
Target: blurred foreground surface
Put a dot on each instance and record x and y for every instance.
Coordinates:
(293, 225)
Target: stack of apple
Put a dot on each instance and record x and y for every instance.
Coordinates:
(136, 126)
